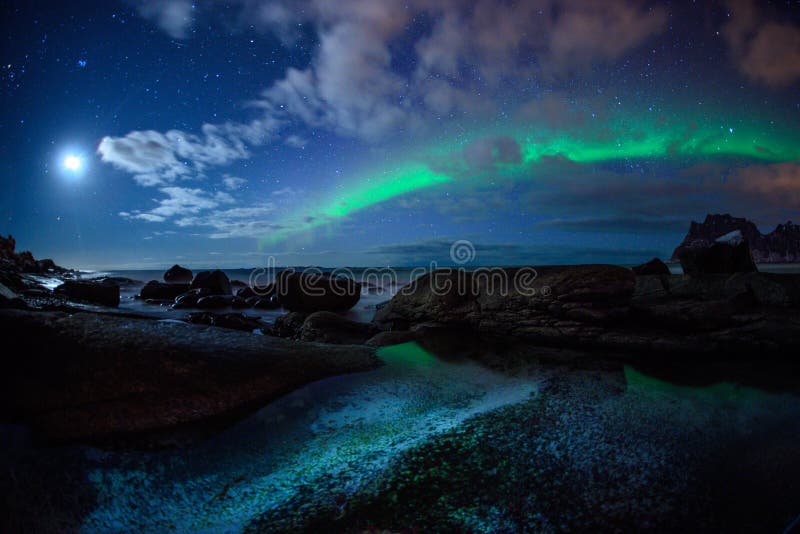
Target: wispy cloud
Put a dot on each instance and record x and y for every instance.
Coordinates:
(172, 16)
(254, 221)
(232, 182)
(180, 201)
(765, 49)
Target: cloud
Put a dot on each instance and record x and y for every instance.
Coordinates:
(777, 184)
(589, 32)
(474, 52)
(767, 51)
(285, 192)
(179, 201)
(172, 16)
(251, 222)
(350, 86)
(421, 253)
(488, 152)
(157, 159)
(281, 17)
(637, 225)
(296, 141)
(232, 182)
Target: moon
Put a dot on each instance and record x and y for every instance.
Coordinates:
(73, 163)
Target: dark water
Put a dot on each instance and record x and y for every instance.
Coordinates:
(582, 446)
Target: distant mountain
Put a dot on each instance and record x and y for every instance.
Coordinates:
(782, 245)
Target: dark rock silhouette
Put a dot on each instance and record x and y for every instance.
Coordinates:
(654, 266)
(782, 245)
(310, 292)
(178, 275)
(215, 301)
(289, 324)
(156, 290)
(725, 256)
(103, 293)
(215, 281)
(24, 262)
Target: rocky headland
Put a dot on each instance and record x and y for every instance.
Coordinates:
(782, 245)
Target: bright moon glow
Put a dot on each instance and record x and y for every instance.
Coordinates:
(72, 163)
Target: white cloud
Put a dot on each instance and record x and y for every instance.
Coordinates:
(254, 221)
(157, 159)
(179, 201)
(232, 182)
(172, 16)
(296, 141)
(475, 51)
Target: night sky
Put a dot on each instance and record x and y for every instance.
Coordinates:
(367, 132)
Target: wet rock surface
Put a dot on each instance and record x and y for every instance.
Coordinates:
(103, 292)
(607, 308)
(91, 376)
(328, 327)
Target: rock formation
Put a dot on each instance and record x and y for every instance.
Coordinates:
(782, 245)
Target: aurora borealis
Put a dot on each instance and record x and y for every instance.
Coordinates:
(529, 146)
(377, 133)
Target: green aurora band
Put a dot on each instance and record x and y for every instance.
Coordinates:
(765, 142)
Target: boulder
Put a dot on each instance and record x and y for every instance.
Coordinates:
(310, 292)
(105, 294)
(265, 303)
(723, 257)
(233, 321)
(215, 281)
(237, 302)
(155, 290)
(247, 292)
(178, 275)
(187, 300)
(329, 327)
(214, 302)
(654, 266)
(288, 325)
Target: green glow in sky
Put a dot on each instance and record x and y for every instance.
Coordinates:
(681, 140)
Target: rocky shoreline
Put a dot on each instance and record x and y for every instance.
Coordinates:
(102, 374)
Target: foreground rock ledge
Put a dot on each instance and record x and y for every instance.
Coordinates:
(86, 376)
